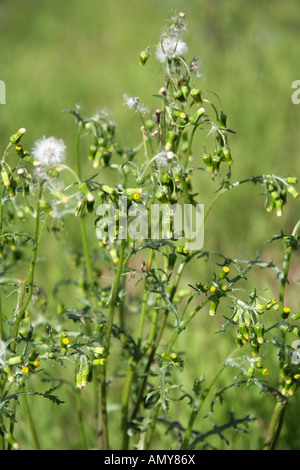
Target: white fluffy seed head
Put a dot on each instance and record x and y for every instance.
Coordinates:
(49, 151)
(162, 159)
(170, 47)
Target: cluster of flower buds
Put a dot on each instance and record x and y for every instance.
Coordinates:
(8, 366)
(213, 161)
(83, 372)
(172, 360)
(8, 180)
(277, 190)
(182, 250)
(221, 152)
(21, 153)
(290, 375)
(216, 289)
(87, 200)
(100, 152)
(31, 364)
(250, 328)
(24, 179)
(22, 176)
(168, 193)
(257, 365)
(99, 356)
(16, 365)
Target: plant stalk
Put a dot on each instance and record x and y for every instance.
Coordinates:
(104, 442)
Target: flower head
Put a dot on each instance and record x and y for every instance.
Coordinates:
(170, 47)
(50, 151)
(164, 158)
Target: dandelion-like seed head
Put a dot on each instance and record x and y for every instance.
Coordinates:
(163, 159)
(170, 47)
(49, 151)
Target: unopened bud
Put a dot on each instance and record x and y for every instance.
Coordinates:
(17, 136)
(293, 191)
(224, 272)
(213, 307)
(144, 56)
(208, 161)
(227, 155)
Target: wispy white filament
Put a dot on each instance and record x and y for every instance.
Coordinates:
(49, 151)
(133, 102)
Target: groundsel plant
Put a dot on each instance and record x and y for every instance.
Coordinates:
(120, 348)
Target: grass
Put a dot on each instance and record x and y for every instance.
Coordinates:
(87, 53)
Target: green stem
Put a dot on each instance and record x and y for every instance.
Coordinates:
(30, 422)
(84, 445)
(144, 304)
(1, 321)
(87, 257)
(152, 426)
(125, 404)
(213, 202)
(277, 418)
(189, 148)
(113, 301)
(198, 408)
(23, 299)
(128, 382)
(28, 282)
(189, 428)
(156, 341)
(1, 230)
(275, 425)
(6, 152)
(84, 237)
(185, 324)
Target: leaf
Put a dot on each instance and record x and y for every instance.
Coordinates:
(233, 422)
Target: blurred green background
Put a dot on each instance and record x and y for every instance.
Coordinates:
(57, 54)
